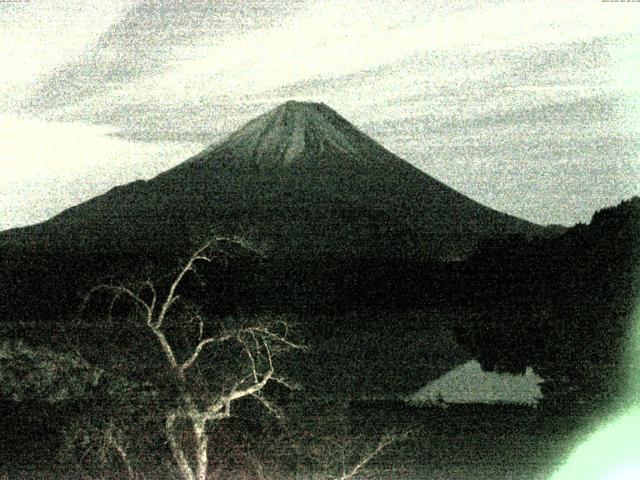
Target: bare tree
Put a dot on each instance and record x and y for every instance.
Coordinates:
(258, 341)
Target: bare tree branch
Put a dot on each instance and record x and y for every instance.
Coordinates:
(198, 256)
(200, 328)
(236, 394)
(268, 405)
(285, 382)
(118, 290)
(121, 451)
(251, 358)
(196, 352)
(166, 347)
(278, 338)
(171, 296)
(384, 442)
(114, 299)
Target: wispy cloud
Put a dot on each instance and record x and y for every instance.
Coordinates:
(38, 37)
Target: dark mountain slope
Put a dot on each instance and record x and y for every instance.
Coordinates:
(299, 180)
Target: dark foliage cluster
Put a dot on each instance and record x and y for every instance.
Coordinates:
(562, 305)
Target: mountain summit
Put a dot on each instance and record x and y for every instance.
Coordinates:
(299, 180)
(295, 132)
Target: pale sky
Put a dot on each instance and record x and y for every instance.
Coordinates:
(530, 107)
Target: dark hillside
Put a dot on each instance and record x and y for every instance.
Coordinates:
(562, 305)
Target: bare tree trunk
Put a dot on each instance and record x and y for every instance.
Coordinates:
(186, 472)
(202, 461)
(122, 454)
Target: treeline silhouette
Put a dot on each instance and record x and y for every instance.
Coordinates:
(562, 305)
